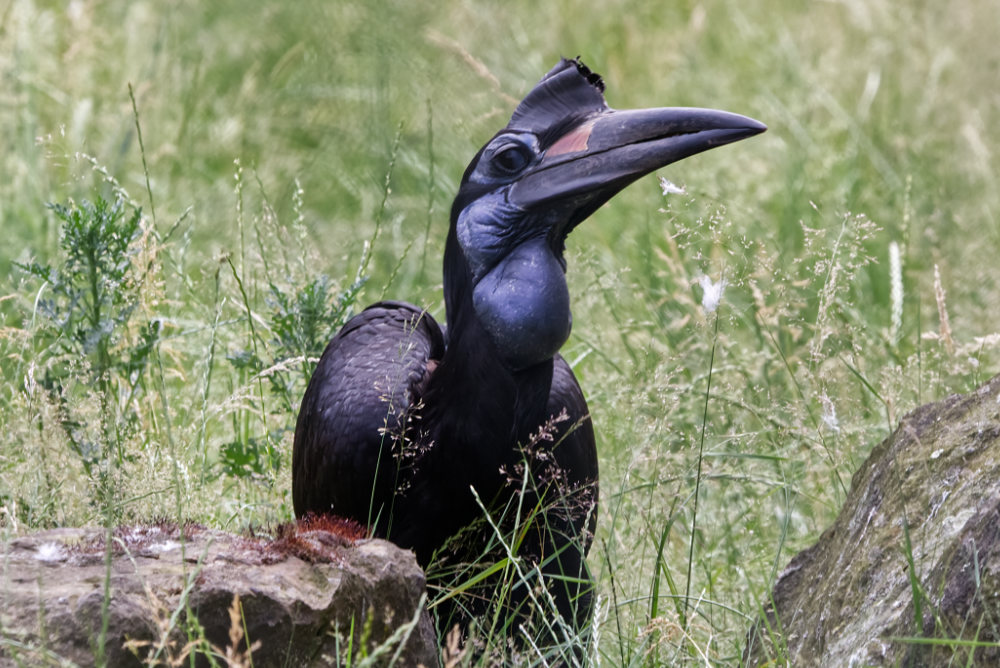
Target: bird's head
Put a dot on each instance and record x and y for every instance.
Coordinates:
(563, 154)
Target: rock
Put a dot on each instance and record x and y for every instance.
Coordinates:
(909, 573)
(305, 598)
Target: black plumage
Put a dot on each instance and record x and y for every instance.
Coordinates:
(401, 420)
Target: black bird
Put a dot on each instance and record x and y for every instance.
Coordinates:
(401, 421)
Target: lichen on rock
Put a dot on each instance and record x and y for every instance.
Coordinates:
(909, 573)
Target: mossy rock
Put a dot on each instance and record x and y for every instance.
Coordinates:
(909, 573)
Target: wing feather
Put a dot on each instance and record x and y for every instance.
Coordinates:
(345, 457)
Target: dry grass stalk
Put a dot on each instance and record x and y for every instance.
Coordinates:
(945, 326)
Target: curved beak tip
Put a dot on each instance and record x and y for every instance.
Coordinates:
(748, 129)
(755, 127)
(740, 126)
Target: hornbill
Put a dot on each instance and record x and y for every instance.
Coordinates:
(408, 429)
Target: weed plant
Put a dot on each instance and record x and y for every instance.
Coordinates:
(743, 340)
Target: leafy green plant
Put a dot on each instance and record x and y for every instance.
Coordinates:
(88, 343)
(87, 337)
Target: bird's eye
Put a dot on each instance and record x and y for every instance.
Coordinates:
(511, 159)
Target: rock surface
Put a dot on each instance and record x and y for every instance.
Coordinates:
(909, 574)
(304, 599)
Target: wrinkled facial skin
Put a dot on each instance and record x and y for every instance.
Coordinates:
(519, 283)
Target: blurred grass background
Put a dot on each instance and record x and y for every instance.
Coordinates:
(884, 120)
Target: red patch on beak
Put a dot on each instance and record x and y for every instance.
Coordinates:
(573, 141)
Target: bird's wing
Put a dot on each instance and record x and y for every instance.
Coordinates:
(347, 453)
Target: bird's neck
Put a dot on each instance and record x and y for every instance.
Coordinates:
(476, 411)
(497, 404)
(481, 407)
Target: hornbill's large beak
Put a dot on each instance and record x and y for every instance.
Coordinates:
(593, 161)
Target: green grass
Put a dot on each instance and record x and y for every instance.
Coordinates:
(267, 137)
